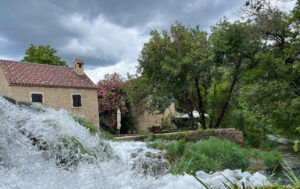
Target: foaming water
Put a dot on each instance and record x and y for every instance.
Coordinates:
(44, 148)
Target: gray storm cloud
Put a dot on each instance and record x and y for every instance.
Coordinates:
(103, 33)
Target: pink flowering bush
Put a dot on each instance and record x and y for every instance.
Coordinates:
(111, 93)
(112, 96)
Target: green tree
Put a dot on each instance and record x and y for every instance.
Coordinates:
(273, 85)
(233, 48)
(43, 55)
(175, 64)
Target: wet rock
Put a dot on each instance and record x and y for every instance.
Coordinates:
(134, 155)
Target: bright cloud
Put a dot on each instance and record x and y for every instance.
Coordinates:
(101, 39)
(122, 68)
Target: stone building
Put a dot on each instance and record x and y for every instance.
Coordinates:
(144, 120)
(57, 87)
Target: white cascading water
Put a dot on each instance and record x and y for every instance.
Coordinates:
(44, 148)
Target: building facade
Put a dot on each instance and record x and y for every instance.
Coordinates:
(143, 121)
(57, 87)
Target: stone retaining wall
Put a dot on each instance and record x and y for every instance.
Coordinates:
(230, 134)
(193, 136)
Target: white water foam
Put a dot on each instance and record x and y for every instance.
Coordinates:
(34, 154)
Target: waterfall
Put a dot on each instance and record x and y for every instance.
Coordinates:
(44, 148)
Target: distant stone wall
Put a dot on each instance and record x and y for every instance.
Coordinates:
(193, 136)
(229, 133)
(145, 120)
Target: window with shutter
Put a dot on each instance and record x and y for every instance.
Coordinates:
(76, 101)
(37, 97)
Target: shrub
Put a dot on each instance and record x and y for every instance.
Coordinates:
(106, 136)
(212, 155)
(271, 159)
(149, 137)
(192, 162)
(158, 145)
(175, 150)
(229, 154)
(268, 144)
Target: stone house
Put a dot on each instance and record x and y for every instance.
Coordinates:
(57, 87)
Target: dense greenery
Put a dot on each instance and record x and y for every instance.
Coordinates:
(213, 155)
(244, 74)
(43, 55)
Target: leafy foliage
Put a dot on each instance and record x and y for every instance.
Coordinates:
(111, 93)
(43, 55)
(174, 64)
(244, 74)
(212, 155)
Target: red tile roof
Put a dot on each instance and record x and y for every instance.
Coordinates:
(33, 74)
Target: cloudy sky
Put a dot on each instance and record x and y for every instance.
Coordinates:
(107, 34)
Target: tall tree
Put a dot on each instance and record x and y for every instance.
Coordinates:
(43, 55)
(175, 63)
(234, 48)
(274, 83)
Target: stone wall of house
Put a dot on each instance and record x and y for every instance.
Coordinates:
(61, 98)
(4, 88)
(145, 119)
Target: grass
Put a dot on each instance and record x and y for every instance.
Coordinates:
(149, 137)
(92, 128)
(213, 155)
(85, 123)
(291, 176)
(175, 150)
(268, 145)
(174, 136)
(272, 159)
(106, 136)
(158, 145)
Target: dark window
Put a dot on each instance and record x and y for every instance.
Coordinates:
(79, 65)
(37, 98)
(76, 100)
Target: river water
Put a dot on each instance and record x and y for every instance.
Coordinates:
(290, 157)
(44, 148)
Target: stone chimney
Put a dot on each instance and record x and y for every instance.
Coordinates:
(78, 66)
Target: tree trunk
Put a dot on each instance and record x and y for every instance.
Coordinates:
(200, 105)
(212, 116)
(224, 108)
(191, 119)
